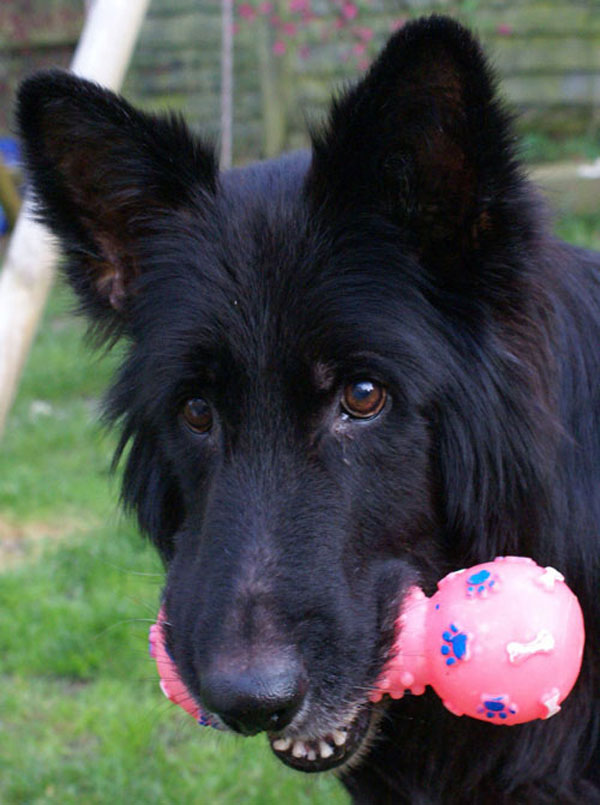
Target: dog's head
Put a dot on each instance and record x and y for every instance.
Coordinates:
(309, 398)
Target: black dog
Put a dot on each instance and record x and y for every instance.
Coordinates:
(347, 371)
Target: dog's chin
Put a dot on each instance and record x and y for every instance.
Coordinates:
(337, 747)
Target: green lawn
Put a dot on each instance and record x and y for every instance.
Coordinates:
(82, 719)
(581, 229)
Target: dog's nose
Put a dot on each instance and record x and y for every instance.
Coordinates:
(256, 699)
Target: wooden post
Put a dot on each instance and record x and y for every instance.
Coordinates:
(103, 54)
(227, 84)
(275, 87)
(273, 107)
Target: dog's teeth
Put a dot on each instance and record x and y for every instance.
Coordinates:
(312, 755)
(299, 749)
(325, 750)
(339, 738)
(282, 744)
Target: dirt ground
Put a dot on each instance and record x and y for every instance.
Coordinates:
(21, 542)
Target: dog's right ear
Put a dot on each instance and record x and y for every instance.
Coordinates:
(102, 174)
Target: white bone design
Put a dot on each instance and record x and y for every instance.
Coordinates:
(549, 578)
(542, 643)
(551, 704)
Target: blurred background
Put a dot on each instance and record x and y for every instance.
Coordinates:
(81, 715)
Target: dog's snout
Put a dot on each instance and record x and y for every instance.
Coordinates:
(256, 699)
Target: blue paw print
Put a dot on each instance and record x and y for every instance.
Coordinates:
(206, 720)
(455, 645)
(480, 583)
(497, 706)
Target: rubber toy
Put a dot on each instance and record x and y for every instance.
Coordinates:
(501, 641)
(171, 684)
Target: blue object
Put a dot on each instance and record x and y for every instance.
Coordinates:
(455, 644)
(10, 152)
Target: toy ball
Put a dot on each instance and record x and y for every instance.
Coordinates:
(501, 641)
(171, 684)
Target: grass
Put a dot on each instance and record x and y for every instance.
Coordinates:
(538, 148)
(581, 229)
(81, 715)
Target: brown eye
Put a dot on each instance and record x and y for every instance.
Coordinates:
(364, 399)
(198, 415)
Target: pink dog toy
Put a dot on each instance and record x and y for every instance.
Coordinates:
(171, 683)
(501, 642)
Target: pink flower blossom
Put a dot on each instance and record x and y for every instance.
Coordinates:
(349, 11)
(366, 34)
(289, 28)
(363, 64)
(304, 52)
(359, 49)
(504, 29)
(299, 6)
(397, 24)
(279, 48)
(265, 8)
(247, 12)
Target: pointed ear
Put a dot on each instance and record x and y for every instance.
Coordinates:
(101, 172)
(423, 140)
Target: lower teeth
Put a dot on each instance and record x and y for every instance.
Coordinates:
(299, 750)
(339, 738)
(320, 750)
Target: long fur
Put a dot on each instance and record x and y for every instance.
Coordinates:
(409, 249)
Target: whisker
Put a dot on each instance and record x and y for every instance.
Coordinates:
(115, 625)
(129, 571)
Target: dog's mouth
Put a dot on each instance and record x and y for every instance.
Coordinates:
(332, 749)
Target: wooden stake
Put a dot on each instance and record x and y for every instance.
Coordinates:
(103, 54)
(226, 84)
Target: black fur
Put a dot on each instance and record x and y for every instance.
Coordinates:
(410, 250)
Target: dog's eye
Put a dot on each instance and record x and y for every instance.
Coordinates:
(198, 415)
(363, 399)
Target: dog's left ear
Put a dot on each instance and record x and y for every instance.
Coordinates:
(103, 174)
(423, 140)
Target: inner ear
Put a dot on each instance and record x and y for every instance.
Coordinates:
(114, 275)
(103, 175)
(107, 201)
